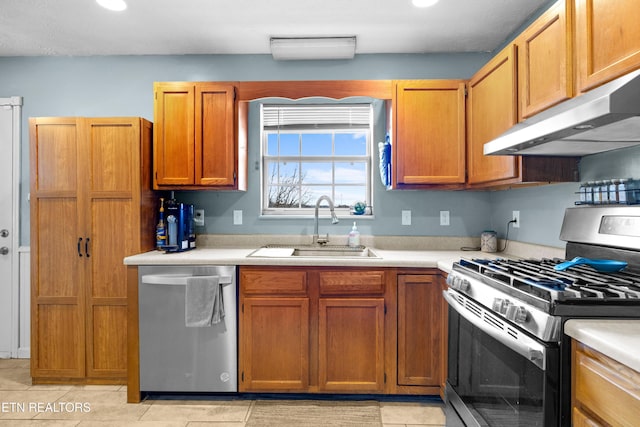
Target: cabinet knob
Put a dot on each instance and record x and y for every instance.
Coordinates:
(4, 250)
(4, 233)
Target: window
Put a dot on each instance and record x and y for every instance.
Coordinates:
(314, 150)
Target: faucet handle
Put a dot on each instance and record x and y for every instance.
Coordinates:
(323, 240)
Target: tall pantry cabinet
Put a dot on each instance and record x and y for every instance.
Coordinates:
(91, 205)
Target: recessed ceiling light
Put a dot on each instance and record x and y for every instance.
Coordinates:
(116, 5)
(424, 3)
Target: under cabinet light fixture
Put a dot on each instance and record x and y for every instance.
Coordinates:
(115, 5)
(301, 48)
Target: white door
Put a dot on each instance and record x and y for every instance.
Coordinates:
(10, 109)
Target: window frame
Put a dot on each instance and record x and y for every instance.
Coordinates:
(333, 130)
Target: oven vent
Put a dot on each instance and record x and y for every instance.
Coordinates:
(493, 321)
(512, 332)
(473, 307)
(486, 316)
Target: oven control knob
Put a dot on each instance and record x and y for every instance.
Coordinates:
(463, 285)
(517, 314)
(501, 305)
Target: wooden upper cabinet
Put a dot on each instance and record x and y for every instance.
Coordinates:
(545, 72)
(491, 111)
(429, 126)
(607, 40)
(174, 136)
(215, 141)
(195, 144)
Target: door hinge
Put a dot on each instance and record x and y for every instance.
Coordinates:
(466, 91)
(242, 376)
(385, 309)
(385, 377)
(243, 308)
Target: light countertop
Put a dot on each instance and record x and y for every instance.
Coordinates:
(239, 256)
(617, 338)
(392, 251)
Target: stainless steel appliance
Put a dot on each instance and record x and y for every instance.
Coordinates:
(605, 118)
(509, 361)
(177, 358)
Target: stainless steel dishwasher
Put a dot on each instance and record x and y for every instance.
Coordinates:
(177, 358)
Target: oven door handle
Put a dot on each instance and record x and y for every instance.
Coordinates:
(527, 347)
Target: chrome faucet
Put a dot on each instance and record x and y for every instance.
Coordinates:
(334, 220)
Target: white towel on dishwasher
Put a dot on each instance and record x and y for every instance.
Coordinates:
(203, 303)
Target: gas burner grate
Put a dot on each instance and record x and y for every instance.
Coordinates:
(539, 278)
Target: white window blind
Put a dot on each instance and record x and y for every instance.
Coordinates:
(342, 116)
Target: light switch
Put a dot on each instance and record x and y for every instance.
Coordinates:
(406, 217)
(237, 217)
(444, 217)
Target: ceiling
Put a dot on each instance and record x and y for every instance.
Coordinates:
(170, 27)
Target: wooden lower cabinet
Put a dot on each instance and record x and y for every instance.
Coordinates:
(419, 330)
(275, 344)
(351, 344)
(340, 330)
(604, 391)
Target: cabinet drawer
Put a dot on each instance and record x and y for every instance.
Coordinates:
(607, 388)
(267, 282)
(352, 283)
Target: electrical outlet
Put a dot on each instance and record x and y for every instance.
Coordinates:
(237, 217)
(406, 217)
(198, 218)
(444, 217)
(516, 216)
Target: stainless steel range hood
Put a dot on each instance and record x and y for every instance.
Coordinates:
(603, 119)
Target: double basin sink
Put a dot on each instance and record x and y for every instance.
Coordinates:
(324, 251)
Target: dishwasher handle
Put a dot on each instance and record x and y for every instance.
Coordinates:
(177, 279)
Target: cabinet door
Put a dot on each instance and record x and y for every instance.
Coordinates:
(491, 111)
(605, 388)
(544, 61)
(57, 259)
(580, 419)
(607, 40)
(274, 351)
(419, 330)
(429, 145)
(113, 157)
(351, 361)
(215, 135)
(174, 148)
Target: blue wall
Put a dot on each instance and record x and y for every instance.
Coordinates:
(122, 86)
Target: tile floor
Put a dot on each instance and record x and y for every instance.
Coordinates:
(23, 404)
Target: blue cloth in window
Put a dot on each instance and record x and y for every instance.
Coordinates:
(384, 149)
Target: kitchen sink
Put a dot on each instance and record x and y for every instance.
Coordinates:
(330, 251)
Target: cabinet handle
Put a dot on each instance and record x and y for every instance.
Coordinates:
(86, 248)
(79, 242)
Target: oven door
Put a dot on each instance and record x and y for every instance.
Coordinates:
(498, 375)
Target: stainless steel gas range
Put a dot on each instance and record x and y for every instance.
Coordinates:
(509, 361)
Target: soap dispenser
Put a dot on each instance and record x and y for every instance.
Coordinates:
(354, 236)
